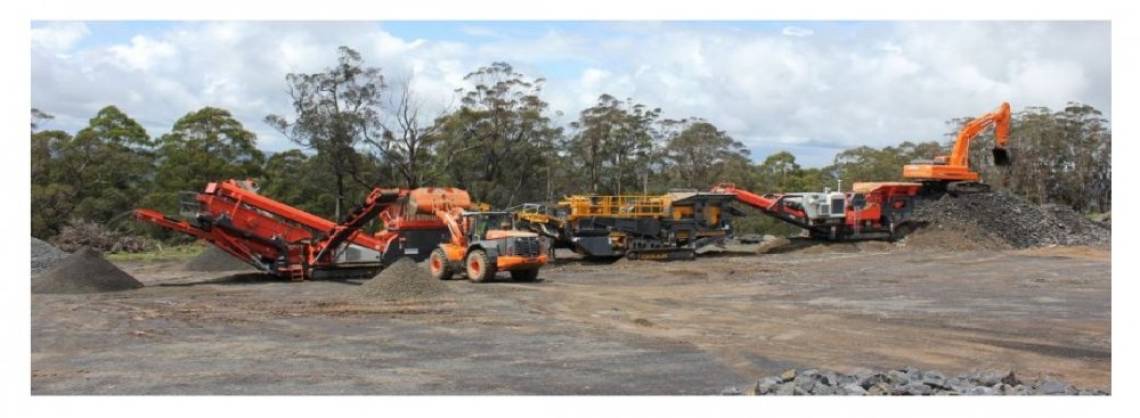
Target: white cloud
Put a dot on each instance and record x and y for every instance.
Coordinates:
(58, 36)
(143, 53)
(797, 31)
(877, 84)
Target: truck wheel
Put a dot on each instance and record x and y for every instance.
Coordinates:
(529, 275)
(479, 268)
(439, 265)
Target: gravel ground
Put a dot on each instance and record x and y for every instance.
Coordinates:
(658, 328)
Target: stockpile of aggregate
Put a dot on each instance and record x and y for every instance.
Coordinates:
(45, 255)
(404, 279)
(1000, 219)
(214, 259)
(84, 271)
(909, 382)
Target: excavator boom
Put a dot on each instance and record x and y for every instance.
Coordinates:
(999, 119)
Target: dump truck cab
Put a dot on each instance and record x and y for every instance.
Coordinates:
(485, 243)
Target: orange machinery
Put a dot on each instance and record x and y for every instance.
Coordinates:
(952, 173)
(288, 242)
(869, 211)
(483, 243)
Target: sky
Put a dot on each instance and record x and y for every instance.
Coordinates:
(813, 88)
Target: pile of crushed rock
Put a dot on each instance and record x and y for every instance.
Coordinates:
(214, 259)
(909, 382)
(1000, 219)
(84, 271)
(44, 255)
(403, 279)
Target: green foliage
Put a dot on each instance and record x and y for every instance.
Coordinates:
(337, 111)
(499, 144)
(179, 252)
(100, 174)
(301, 181)
(699, 155)
(203, 146)
(502, 145)
(613, 145)
(1059, 157)
(871, 164)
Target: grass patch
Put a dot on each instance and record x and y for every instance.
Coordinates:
(165, 253)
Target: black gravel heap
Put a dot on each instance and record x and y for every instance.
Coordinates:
(1013, 219)
(909, 382)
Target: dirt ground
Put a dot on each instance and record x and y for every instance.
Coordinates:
(630, 327)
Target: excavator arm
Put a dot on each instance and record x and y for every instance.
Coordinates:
(999, 119)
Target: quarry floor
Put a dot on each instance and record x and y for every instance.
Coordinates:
(629, 327)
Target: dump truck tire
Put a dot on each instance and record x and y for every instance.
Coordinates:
(528, 275)
(439, 265)
(479, 267)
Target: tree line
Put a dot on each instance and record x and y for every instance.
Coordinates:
(355, 129)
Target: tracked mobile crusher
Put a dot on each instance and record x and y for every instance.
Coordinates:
(669, 226)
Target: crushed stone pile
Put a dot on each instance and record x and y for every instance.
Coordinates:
(909, 381)
(214, 259)
(997, 219)
(404, 279)
(44, 255)
(85, 271)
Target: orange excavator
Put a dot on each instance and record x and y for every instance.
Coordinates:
(484, 243)
(952, 173)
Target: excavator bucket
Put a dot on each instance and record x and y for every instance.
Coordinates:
(1002, 157)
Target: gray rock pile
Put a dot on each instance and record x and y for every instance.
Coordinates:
(44, 255)
(404, 279)
(214, 259)
(85, 271)
(1011, 220)
(909, 382)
